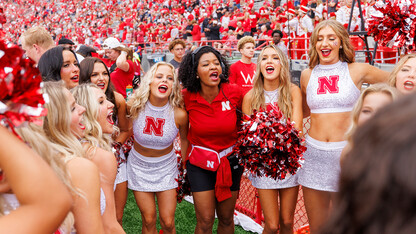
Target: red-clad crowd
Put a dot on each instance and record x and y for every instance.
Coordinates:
(150, 23)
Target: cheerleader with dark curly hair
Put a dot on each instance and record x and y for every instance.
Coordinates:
(212, 104)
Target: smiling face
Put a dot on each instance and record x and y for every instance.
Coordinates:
(77, 111)
(209, 70)
(105, 111)
(69, 70)
(100, 76)
(270, 65)
(406, 77)
(161, 85)
(328, 46)
(371, 104)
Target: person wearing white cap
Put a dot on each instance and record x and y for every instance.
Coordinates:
(122, 69)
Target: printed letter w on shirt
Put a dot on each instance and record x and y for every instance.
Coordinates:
(155, 126)
(248, 79)
(330, 84)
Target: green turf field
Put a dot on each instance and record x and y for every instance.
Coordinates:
(185, 220)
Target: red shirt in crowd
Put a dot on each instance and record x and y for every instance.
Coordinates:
(214, 125)
(121, 79)
(242, 74)
(196, 33)
(254, 17)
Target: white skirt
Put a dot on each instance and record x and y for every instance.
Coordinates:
(152, 174)
(265, 182)
(321, 168)
(122, 170)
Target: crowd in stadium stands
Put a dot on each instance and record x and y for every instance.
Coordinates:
(151, 23)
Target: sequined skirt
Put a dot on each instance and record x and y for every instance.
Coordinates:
(121, 171)
(152, 174)
(264, 182)
(321, 168)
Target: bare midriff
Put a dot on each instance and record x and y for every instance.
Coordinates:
(151, 152)
(329, 127)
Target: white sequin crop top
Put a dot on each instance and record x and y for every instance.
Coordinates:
(331, 89)
(271, 97)
(155, 127)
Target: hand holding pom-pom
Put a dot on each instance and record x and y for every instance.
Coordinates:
(184, 187)
(269, 145)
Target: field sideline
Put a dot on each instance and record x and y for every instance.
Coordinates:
(185, 220)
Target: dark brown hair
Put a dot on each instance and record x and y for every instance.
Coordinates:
(377, 184)
(86, 69)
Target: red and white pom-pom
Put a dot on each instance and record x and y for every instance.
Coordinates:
(20, 88)
(395, 23)
(269, 145)
(184, 187)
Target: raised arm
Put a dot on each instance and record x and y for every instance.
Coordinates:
(365, 73)
(122, 61)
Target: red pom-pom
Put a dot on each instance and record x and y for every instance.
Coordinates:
(20, 93)
(269, 145)
(396, 23)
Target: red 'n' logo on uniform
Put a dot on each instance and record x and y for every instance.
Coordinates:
(155, 126)
(330, 85)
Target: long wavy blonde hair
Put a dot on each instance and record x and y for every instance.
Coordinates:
(57, 122)
(83, 95)
(355, 113)
(285, 100)
(142, 94)
(346, 52)
(55, 155)
(396, 69)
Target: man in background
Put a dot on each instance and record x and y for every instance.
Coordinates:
(36, 41)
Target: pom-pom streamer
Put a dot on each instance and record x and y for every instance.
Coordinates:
(394, 24)
(21, 98)
(269, 145)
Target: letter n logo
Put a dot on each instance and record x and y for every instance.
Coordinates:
(225, 106)
(210, 164)
(155, 126)
(326, 84)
